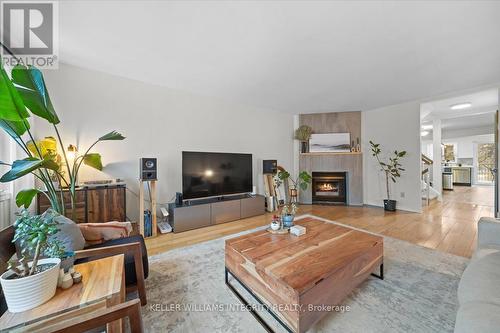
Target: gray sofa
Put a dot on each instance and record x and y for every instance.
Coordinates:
(479, 288)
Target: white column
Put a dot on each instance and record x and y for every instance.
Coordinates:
(296, 144)
(437, 181)
(497, 180)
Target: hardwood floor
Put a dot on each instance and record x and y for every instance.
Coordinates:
(449, 226)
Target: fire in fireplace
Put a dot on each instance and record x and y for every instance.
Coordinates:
(329, 187)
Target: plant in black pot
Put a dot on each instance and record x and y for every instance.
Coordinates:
(303, 134)
(392, 169)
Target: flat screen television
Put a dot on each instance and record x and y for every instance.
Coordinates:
(215, 174)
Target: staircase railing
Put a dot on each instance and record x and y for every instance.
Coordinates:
(426, 163)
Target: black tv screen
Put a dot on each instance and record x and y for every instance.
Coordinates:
(215, 174)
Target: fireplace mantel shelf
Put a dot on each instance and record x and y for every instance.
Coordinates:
(333, 154)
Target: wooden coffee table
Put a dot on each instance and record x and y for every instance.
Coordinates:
(300, 279)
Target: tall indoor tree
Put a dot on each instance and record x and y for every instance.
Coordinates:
(23, 94)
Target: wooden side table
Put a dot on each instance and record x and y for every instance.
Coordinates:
(103, 285)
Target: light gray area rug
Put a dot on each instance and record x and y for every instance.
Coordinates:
(187, 293)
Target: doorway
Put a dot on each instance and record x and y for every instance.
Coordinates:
(458, 135)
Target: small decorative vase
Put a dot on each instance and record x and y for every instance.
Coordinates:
(77, 277)
(275, 225)
(287, 220)
(60, 277)
(67, 281)
(304, 147)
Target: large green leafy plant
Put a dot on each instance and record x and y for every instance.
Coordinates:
(391, 168)
(302, 180)
(23, 94)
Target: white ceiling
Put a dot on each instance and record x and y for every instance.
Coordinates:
(296, 56)
(480, 114)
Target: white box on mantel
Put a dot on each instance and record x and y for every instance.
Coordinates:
(298, 230)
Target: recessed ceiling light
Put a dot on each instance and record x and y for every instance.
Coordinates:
(426, 127)
(424, 133)
(460, 106)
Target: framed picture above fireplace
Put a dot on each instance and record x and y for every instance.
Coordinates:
(330, 142)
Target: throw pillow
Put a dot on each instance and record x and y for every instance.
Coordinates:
(96, 233)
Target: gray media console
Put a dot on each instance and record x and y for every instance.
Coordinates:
(203, 214)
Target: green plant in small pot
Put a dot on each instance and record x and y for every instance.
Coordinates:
(288, 212)
(392, 170)
(31, 280)
(303, 134)
(302, 181)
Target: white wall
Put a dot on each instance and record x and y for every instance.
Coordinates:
(465, 145)
(159, 122)
(395, 127)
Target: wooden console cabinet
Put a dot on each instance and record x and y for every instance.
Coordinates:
(93, 204)
(198, 215)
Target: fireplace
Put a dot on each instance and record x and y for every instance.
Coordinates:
(329, 187)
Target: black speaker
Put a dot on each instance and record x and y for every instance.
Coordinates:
(149, 169)
(269, 166)
(178, 198)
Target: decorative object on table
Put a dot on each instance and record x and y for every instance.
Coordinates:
(60, 277)
(358, 146)
(67, 281)
(25, 95)
(392, 170)
(288, 214)
(353, 147)
(275, 223)
(77, 277)
(303, 134)
(29, 283)
(276, 226)
(330, 142)
(302, 181)
(298, 230)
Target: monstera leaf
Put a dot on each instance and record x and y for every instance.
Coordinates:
(21, 168)
(31, 87)
(93, 160)
(25, 197)
(12, 107)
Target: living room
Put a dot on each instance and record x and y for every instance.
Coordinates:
(240, 166)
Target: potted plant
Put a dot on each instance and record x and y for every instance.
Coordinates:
(290, 208)
(302, 181)
(303, 134)
(392, 169)
(30, 282)
(288, 214)
(23, 95)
